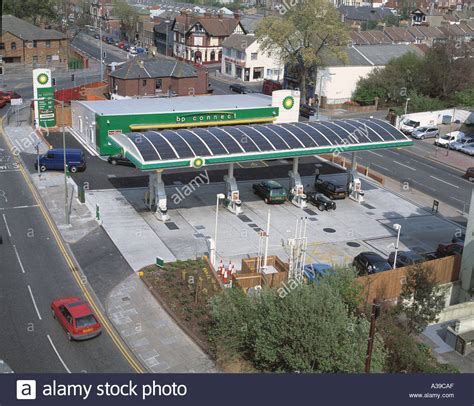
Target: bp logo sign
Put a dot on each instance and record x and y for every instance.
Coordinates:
(288, 102)
(42, 78)
(197, 162)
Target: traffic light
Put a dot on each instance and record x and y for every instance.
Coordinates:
(53, 81)
(72, 77)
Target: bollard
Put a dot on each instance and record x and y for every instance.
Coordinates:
(97, 212)
(81, 194)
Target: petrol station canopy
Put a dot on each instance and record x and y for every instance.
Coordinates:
(197, 147)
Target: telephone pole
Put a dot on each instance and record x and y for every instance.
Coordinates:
(370, 342)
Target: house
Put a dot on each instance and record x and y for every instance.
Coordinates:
(418, 17)
(22, 42)
(164, 37)
(244, 60)
(338, 80)
(359, 15)
(199, 38)
(159, 76)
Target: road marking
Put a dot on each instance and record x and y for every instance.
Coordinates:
(380, 166)
(18, 207)
(125, 351)
(406, 166)
(57, 353)
(459, 200)
(19, 260)
(375, 153)
(441, 180)
(34, 302)
(6, 225)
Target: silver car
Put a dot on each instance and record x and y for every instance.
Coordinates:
(425, 132)
(468, 149)
(459, 144)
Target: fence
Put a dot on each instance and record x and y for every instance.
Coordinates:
(19, 115)
(249, 278)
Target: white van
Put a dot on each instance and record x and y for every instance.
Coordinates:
(411, 122)
(446, 140)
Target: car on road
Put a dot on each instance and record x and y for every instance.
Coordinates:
(307, 111)
(421, 133)
(237, 88)
(9, 95)
(468, 149)
(447, 139)
(54, 159)
(76, 317)
(405, 258)
(270, 191)
(119, 160)
(469, 175)
(321, 201)
(331, 188)
(457, 145)
(368, 262)
(3, 103)
(448, 249)
(315, 271)
(96, 36)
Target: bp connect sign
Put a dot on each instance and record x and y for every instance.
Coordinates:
(43, 92)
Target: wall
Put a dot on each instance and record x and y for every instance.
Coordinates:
(81, 121)
(263, 60)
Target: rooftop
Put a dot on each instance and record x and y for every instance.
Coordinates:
(239, 42)
(158, 67)
(29, 32)
(180, 104)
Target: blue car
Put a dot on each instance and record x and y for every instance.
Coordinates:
(54, 159)
(314, 272)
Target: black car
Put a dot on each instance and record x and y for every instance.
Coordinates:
(331, 189)
(459, 237)
(405, 258)
(240, 89)
(321, 201)
(367, 263)
(119, 160)
(270, 191)
(307, 111)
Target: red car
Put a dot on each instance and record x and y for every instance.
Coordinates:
(7, 96)
(3, 103)
(76, 317)
(448, 249)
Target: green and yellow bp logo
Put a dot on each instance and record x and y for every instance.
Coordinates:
(197, 162)
(42, 78)
(288, 102)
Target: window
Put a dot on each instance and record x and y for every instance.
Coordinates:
(49, 58)
(240, 55)
(48, 43)
(269, 72)
(13, 45)
(2, 45)
(35, 44)
(228, 68)
(158, 84)
(254, 56)
(35, 58)
(144, 82)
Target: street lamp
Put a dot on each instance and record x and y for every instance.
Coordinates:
(397, 227)
(219, 197)
(406, 105)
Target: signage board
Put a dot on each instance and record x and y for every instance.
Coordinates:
(206, 117)
(16, 102)
(43, 92)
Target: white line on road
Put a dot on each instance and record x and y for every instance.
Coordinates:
(34, 302)
(6, 225)
(59, 356)
(406, 166)
(380, 166)
(459, 200)
(441, 180)
(375, 153)
(18, 207)
(19, 260)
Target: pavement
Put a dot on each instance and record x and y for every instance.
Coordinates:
(110, 277)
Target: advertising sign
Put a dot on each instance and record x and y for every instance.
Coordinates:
(43, 91)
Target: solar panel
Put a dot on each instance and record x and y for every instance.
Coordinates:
(244, 140)
(197, 145)
(355, 134)
(230, 143)
(336, 134)
(315, 133)
(146, 149)
(363, 128)
(259, 140)
(273, 138)
(302, 136)
(216, 146)
(289, 137)
(164, 148)
(180, 146)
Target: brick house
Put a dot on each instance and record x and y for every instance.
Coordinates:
(22, 42)
(157, 77)
(199, 38)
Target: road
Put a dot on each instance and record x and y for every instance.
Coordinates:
(32, 273)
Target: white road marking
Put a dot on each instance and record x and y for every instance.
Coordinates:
(441, 180)
(59, 356)
(380, 166)
(34, 302)
(19, 260)
(375, 153)
(393, 152)
(6, 225)
(406, 166)
(18, 207)
(459, 200)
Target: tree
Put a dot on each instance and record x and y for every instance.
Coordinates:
(305, 37)
(128, 18)
(32, 10)
(421, 299)
(310, 328)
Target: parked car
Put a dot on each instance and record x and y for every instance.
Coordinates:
(445, 250)
(315, 271)
(457, 145)
(331, 189)
(459, 237)
(468, 149)
(421, 133)
(133, 50)
(119, 160)
(126, 47)
(9, 95)
(448, 138)
(54, 159)
(121, 44)
(321, 201)
(96, 36)
(307, 111)
(76, 317)
(469, 175)
(237, 88)
(405, 258)
(368, 262)
(270, 191)
(3, 103)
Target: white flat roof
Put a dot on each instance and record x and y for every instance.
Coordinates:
(179, 104)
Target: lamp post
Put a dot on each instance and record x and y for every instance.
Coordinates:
(397, 227)
(406, 105)
(219, 197)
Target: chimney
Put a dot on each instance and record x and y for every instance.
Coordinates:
(237, 16)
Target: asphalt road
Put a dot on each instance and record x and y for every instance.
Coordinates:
(33, 273)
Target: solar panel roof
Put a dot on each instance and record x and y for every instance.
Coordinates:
(215, 145)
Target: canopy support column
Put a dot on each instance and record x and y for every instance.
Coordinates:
(156, 197)
(232, 201)
(297, 195)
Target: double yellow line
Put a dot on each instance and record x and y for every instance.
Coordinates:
(72, 267)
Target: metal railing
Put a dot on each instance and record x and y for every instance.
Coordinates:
(19, 115)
